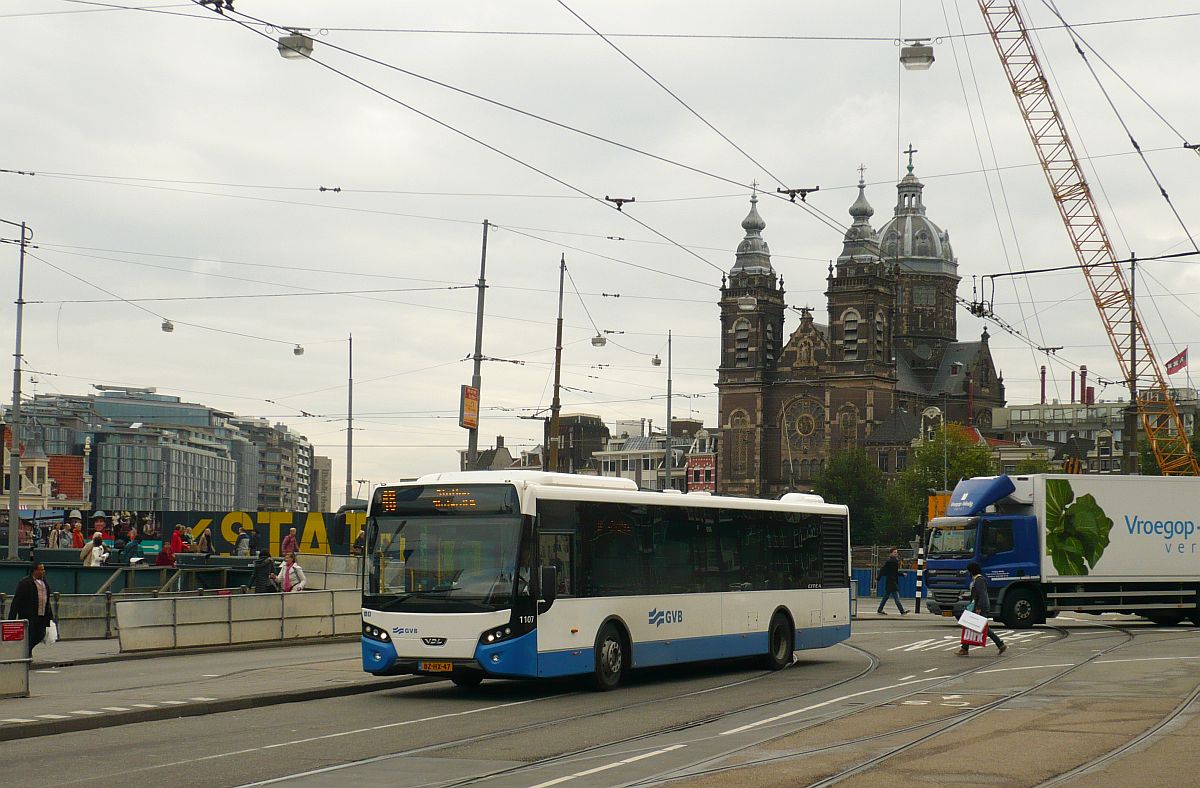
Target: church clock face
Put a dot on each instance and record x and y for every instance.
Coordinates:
(804, 422)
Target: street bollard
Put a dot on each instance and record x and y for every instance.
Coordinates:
(14, 664)
(920, 576)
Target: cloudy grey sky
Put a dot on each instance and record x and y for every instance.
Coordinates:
(179, 156)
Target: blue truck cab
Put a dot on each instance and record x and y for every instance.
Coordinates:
(987, 522)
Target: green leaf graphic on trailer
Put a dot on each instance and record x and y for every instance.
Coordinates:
(1076, 530)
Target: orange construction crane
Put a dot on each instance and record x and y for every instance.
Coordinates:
(1105, 278)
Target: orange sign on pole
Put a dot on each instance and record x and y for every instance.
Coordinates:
(468, 408)
(938, 503)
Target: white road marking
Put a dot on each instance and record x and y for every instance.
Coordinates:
(175, 702)
(53, 716)
(46, 671)
(608, 766)
(210, 675)
(1028, 667)
(822, 704)
(201, 698)
(146, 705)
(17, 719)
(1138, 659)
(339, 734)
(931, 670)
(906, 678)
(86, 713)
(115, 708)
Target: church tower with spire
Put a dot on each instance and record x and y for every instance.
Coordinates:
(752, 304)
(861, 296)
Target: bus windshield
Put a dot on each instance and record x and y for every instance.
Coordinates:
(952, 537)
(448, 554)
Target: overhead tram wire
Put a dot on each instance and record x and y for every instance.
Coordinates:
(821, 216)
(476, 140)
(999, 179)
(1121, 119)
(155, 314)
(1072, 28)
(670, 92)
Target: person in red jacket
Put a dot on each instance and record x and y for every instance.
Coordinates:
(177, 540)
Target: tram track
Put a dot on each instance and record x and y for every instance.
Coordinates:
(946, 725)
(873, 662)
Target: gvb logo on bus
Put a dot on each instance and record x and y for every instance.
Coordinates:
(659, 617)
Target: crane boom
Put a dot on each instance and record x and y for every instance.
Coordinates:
(1105, 278)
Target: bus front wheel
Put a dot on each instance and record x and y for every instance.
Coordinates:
(611, 660)
(781, 642)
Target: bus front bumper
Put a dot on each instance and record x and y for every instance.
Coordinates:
(514, 658)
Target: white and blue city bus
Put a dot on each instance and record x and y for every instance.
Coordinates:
(526, 574)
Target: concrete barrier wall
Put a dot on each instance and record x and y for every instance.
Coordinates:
(331, 572)
(245, 618)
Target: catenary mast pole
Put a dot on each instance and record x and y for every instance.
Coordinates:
(473, 434)
(14, 460)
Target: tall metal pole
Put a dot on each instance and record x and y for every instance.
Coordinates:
(14, 461)
(945, 445)
(349, 418)
(668, 459)
(1131, 413)
(473, 434)
(555, 404)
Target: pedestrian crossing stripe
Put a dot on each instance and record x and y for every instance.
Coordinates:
(953, 641)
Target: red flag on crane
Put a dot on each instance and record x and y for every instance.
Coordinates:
(1177, 363)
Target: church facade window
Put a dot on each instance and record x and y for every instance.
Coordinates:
(880, 337)
(850, 320)
(741, 343)
(924, 295)
(743, 438)
(770, 335)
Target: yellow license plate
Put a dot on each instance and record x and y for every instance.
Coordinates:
(948, 613)
(437, 667)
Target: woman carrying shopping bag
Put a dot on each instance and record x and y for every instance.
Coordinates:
(980, 605)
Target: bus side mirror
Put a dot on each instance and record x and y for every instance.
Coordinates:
(548, 585)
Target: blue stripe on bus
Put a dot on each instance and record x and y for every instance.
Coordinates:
(820, 637)
(667, 652)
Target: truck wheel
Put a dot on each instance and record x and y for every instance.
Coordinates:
(781, 642)
(611, 661)
(1022, 609)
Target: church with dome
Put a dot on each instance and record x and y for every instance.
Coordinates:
(885, 367)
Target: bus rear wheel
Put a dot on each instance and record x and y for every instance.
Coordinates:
(611, 661)
(781, 642)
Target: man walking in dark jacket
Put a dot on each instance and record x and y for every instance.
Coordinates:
(981, 605)
(891, 575)
(32, 601)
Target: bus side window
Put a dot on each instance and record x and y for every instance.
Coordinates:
(558, 551)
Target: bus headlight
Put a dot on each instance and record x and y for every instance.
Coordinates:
(496, 635)
(375, 633)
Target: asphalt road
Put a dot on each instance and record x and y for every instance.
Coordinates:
(895, 703)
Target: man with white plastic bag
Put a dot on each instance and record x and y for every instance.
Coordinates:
(32, 601)
(977, 609)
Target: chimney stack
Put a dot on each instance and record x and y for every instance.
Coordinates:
(1072, 387)
(1091, 395)
(1083, 384)
(1043, 384)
